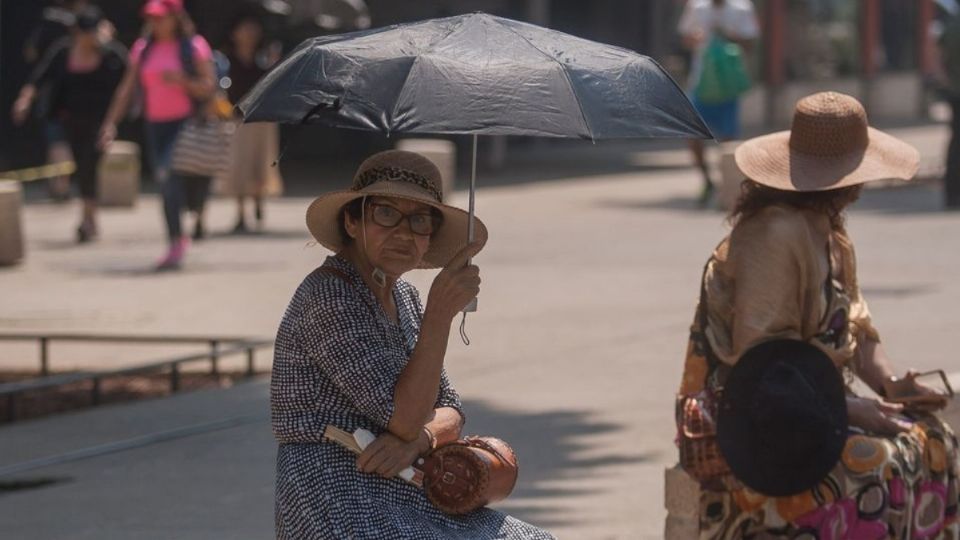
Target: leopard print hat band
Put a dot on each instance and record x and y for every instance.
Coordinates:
(396, 174)
(401, 174)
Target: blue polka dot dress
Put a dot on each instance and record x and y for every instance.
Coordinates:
(337, 360)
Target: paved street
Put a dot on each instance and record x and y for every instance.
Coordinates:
(590, 281)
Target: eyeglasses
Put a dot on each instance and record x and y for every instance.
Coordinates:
(423, 224)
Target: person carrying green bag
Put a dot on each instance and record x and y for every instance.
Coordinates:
(723, 76)
(718, 34)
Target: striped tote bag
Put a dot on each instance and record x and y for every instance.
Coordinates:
(202, 147)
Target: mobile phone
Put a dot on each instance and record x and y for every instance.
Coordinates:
(929, 378)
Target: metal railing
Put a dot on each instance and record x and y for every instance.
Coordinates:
(45, 339)
(13, 390)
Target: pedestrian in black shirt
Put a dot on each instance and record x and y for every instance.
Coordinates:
(55, 23)
(82, 72)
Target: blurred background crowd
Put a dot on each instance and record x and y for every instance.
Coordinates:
(886, 53)
(804, 45)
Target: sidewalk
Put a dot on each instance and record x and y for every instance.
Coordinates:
(590, 280)
(197, 466)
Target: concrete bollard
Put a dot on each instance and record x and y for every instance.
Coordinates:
(730, 177)
(118, 175)
(11, 232)
(679, 528)
(442, 153)
(681, 498)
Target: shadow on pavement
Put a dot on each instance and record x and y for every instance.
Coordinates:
(904, 291)
(683, 204)
(924, 198)
(549, 447)
(527, 161)
(146, 268)
(265, 234)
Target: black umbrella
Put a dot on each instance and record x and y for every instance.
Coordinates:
(474, 74)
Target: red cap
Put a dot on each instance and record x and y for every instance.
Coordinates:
(159, 8)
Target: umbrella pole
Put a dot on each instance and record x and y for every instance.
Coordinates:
(471, 230)
(473, 192)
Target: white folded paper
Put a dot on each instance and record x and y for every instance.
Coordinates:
(364, 438)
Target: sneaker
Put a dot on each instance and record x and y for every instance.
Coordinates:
(240, 227)
(174, 256)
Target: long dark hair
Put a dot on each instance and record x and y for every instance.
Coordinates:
(755, 197)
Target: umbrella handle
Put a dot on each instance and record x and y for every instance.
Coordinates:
(471, 229)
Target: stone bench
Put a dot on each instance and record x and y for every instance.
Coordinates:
(118, 175)
(11, 231)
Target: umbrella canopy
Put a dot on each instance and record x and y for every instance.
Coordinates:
(474, 74)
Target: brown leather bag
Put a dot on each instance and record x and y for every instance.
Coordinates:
(470, 473)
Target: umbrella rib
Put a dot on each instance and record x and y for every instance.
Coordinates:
(566, 76)
(403, 87)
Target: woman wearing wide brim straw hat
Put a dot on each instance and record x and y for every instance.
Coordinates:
(403, 175)
(787, 270)
(355, 349)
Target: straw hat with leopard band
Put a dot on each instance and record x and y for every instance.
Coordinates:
(398, 174)
(829, 146)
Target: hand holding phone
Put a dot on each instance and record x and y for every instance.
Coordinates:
(916, 391)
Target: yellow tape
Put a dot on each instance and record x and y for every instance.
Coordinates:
(30, 174)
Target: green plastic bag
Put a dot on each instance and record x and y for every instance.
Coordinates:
(723, 76)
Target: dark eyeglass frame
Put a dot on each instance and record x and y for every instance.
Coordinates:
(433, 220)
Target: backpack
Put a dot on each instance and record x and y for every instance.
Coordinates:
(723, 76)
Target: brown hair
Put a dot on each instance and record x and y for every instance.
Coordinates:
(754, 197)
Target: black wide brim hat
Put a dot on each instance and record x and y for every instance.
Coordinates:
(782, 423)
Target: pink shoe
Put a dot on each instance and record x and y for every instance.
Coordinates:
(173, 258)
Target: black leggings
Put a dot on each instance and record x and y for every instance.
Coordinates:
(82, 135)
(196, 190)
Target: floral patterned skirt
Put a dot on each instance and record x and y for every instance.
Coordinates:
(903, 487)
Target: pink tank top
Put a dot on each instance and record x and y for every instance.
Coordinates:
(166, 101)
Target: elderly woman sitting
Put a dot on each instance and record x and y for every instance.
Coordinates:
(356, 349)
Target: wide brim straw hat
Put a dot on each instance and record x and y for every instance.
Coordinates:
(829, 146)
(396, 174)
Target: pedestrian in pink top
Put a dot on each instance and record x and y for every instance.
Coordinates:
(173, 67)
